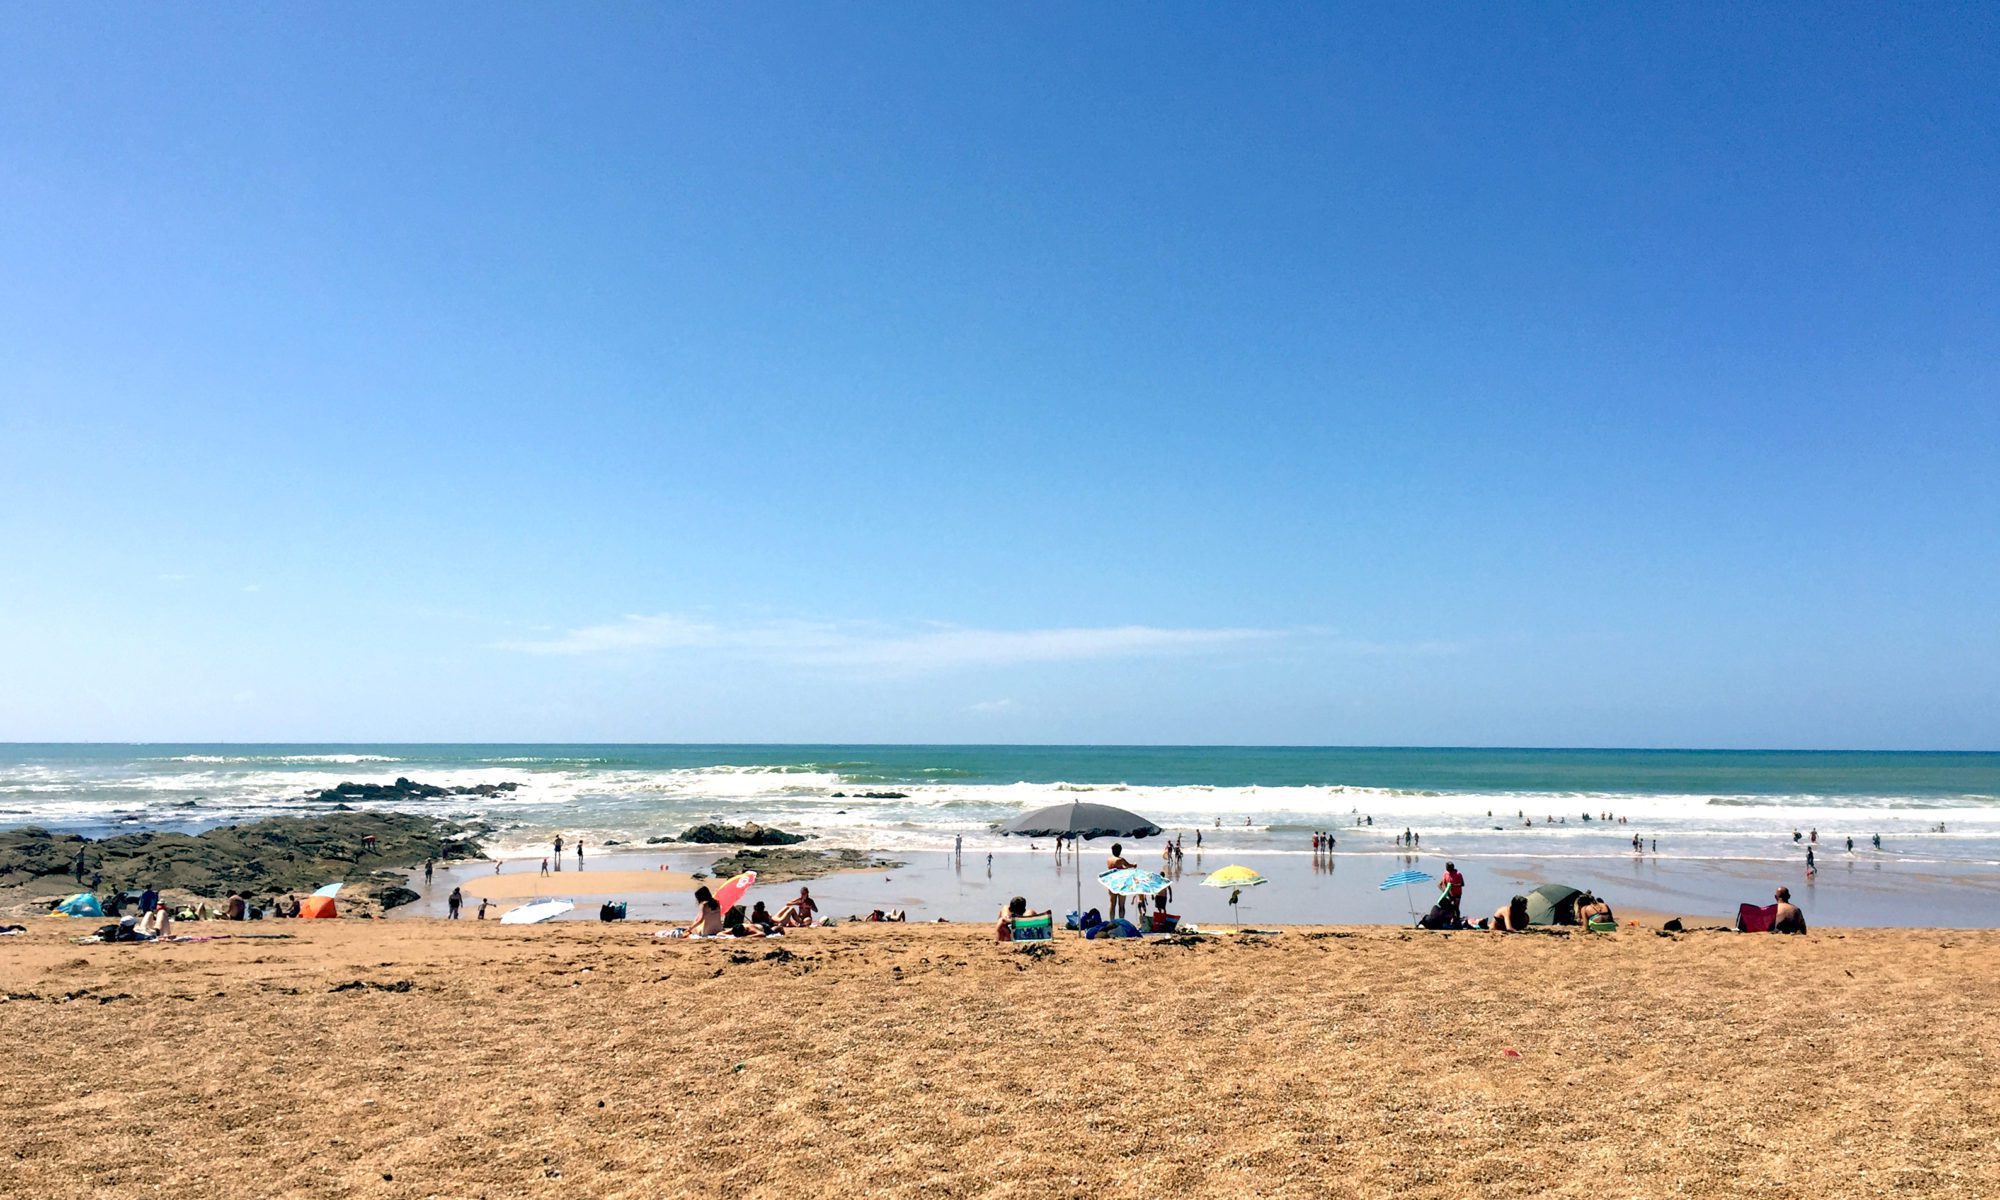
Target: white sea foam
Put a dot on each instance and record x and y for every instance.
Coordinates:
(586, 796)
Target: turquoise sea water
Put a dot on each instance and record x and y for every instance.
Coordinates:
(1698, 803)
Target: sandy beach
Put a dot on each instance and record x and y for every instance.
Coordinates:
(425, 1058)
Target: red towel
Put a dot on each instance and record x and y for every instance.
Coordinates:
(1751, 919)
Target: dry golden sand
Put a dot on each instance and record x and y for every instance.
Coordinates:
(926, 1061)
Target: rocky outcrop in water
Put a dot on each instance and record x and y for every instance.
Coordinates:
(751, 834)
(282, 854)
(784, 865)
(407, 789)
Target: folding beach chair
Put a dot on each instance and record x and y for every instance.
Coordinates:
(1033, 929)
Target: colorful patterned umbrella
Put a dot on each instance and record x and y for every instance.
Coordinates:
(1133, 881)
(1404, 879)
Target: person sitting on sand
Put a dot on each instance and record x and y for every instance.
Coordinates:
(1016, 910)
(761, 917)
(1788, 919)
(1514, 917)
(799, 911)
(237, 909)
(1590, 908)
(157, 923)
(734, 925)
(709, 921)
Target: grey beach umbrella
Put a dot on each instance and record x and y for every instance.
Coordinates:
(1080, 819)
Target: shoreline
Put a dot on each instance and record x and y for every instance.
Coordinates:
(1304, 890)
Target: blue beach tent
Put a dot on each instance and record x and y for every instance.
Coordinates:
(83, 904)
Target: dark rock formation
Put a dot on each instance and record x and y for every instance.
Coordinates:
(780, 866)
(283, 854)
(391, 895)
(407, 789)
(752, 834)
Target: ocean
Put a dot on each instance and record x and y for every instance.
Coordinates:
(1935, 808)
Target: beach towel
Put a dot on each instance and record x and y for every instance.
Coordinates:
(1084, 920)
(1116, 928)
(1752, 919)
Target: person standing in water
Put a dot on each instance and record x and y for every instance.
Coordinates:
(1117, 863)
(579, 854)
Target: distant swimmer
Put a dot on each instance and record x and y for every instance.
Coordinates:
(1878, 841)
(1850, 844)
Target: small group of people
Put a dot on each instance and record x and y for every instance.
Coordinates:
(797, 913)
(1324, 842)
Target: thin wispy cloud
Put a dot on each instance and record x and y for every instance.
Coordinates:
(862, 645)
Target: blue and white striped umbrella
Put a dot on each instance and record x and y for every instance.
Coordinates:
(1133, 881)
(1404, 878)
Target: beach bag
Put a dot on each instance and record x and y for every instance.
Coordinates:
(1087, 921)
(1165, 922)
(610, 911)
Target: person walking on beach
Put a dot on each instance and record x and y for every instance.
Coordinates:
(1197, 841)
(429, 865)
(545, 867)
(453, 902)
(957, 845)
(482, 909)
(1117, 863)
(1811, 867)
(579, 854)
(1850, 843)
(79, 866)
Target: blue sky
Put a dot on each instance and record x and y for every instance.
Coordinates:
(1544, 375)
